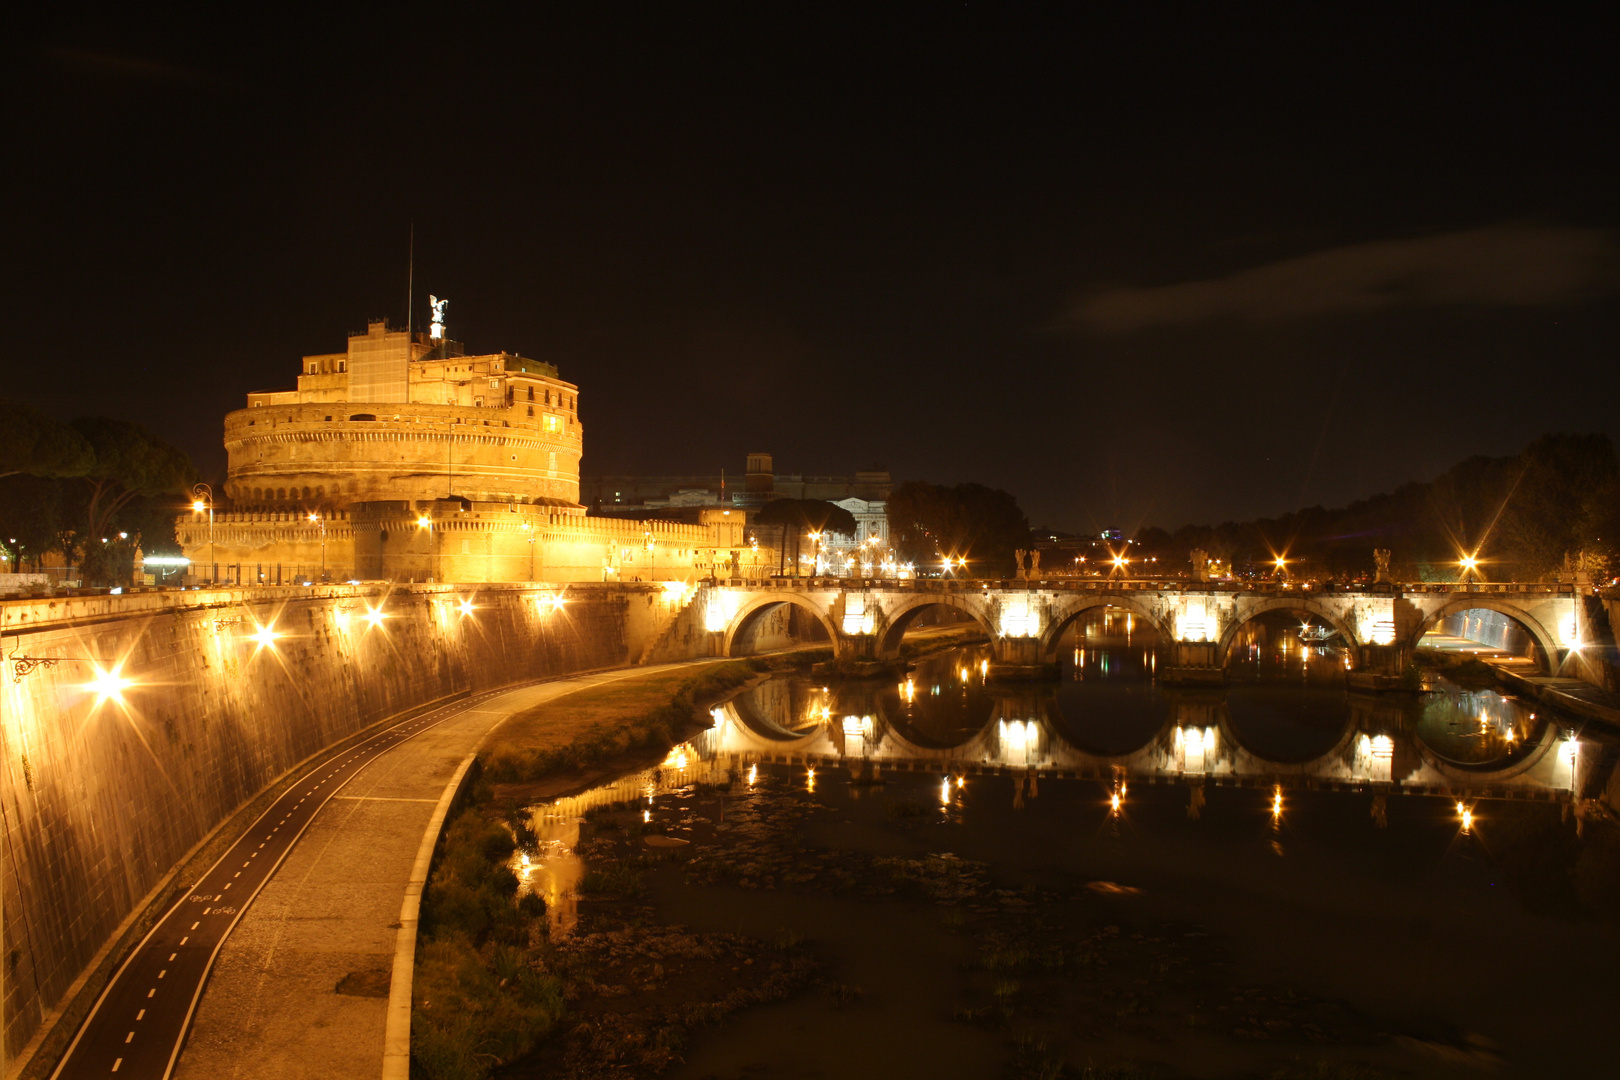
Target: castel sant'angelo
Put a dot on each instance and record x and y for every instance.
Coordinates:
(404, 458)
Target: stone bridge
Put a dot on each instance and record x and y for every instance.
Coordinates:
(1196, 623)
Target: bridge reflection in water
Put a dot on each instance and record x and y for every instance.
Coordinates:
(946, 718)
(1291, 726)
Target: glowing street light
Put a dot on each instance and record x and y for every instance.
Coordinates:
(466, 606)
(108, 683)
(265, 637)
(375, 616)
(202, 498)
(1466, 813)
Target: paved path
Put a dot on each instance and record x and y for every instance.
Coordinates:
(296, 985)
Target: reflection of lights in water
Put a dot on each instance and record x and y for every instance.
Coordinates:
(908, 690)
(810, 778)
(646, 815)
(963, 673)
(945, 790)
(961, 782)
(1466, 813)
(1276, 802)
(984, 668)
(753, 774)
(1114, 801)
(678, 757)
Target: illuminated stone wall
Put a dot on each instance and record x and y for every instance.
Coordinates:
(307, 456)
(101, 801)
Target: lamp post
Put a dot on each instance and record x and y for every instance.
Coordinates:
(202, 498)
(529, 529)
(816, 536)
(318, 520)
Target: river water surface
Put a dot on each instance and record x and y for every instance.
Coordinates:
(1275, 878)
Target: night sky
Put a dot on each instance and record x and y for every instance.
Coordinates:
(1181, 267)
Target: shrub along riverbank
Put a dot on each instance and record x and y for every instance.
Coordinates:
(488, 986)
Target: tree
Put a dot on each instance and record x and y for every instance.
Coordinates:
(802, 516)
(928, 522)
(31, 517)
(129, 462)
(39, 445)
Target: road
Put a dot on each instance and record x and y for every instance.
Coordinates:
(138, 1026)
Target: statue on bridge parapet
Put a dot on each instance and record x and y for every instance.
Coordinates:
(1200, 564)
(1381, 561)
(1034, 564)
(1018, 562)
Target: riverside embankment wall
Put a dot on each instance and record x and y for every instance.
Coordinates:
(102, 797)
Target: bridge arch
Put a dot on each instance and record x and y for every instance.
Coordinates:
(1301, 604)
(1080, 607)
(1546, 644)
(749, 614)
(904, 613)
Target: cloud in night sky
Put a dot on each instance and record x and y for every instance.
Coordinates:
(1500, 265)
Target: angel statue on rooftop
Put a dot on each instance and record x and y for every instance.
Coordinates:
(436, 330)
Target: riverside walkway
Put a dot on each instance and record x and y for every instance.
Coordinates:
(309, 976)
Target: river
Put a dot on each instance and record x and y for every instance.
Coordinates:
(1107, 873)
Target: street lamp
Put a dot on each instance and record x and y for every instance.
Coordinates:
(318, 520)
(816, 536)
(202, 498)
(1470, 565)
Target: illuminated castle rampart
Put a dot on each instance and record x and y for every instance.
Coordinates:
(404, 458)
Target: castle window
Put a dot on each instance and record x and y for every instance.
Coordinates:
(258, 494)
(281, 494)
(494, 384)
(306, 493)
(343, 366)
(531, 398)
(531, 407)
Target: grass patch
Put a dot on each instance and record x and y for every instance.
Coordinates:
(483, 995)
(593, 727)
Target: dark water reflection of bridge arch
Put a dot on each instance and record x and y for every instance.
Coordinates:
(1107, 719)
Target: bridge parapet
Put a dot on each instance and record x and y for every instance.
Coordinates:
(1196, 623)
